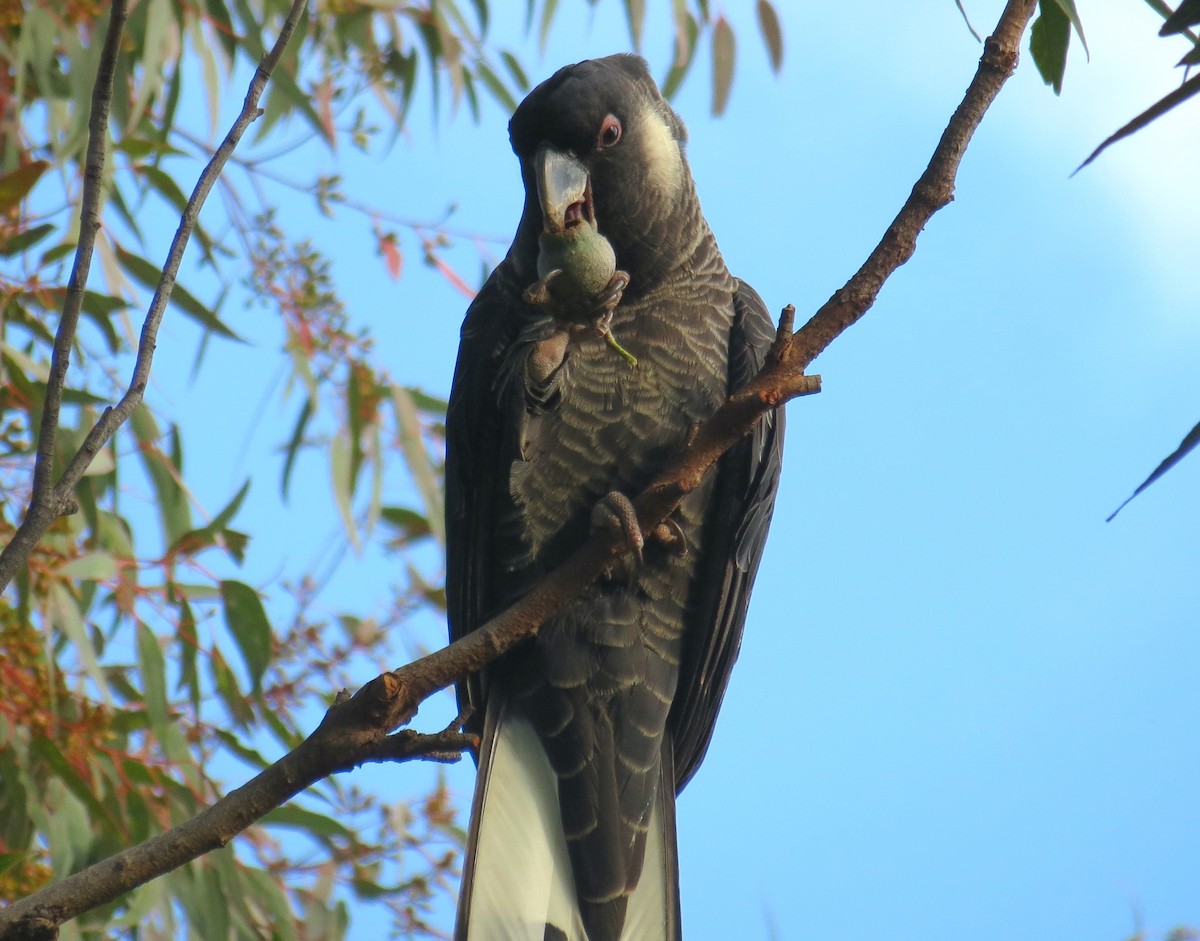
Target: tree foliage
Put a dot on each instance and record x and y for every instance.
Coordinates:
(138, 668)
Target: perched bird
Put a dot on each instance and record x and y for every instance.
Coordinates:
(607, 334)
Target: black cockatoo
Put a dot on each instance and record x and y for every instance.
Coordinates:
(611, 329)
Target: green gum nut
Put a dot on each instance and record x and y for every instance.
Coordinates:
(585, 258)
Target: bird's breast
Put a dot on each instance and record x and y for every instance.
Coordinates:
(613, 425)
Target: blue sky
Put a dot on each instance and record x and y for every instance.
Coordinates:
(965, 705)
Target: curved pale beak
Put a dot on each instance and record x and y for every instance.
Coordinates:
(563, 190)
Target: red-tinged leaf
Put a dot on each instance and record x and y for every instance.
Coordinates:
(323, 93)
(247, 622)
(681, 17)
(772, 33)
(393, 259)
(1189, 442)
(452, 276)
(635, 13)
(15, 186)
(685, 56)
(724, 52)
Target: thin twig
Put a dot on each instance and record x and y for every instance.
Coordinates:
(48, 505)
(932, 191)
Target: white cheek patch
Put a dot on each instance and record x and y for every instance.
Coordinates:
(662, 156)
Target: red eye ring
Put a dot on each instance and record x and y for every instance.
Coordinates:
(610, 132)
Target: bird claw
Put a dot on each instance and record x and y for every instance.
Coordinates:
(598, 316)
(538, 293)
(610, 295)
(669, 534)
(616, 514)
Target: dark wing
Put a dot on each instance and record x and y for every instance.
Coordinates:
(479, 448)
(744, 498)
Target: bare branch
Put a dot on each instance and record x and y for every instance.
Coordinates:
(49, 503)
(355, 729)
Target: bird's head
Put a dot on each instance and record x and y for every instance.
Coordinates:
(600, 147)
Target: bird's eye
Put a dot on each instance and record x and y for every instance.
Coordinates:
(610, 132)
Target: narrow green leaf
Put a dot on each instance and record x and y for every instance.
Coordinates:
(322, 828)
(685, 54)
(188, 645)
(238, 747)
(425, 402)
(724, 52)
(416, 456)
(468, 89)
(520, 79)
(339, 472)
(222, 26)
(165, 185)
(293, 445)
(1189, 443)
(52, 255)
(194, 540)
(1048, 42)
(117, 198)
(149, 274)
(354, 422)
(94, 566)
(772, 33)
(226, 685)
(267, 897)
(481, 12)
(1068, 7)
(16, 185)
(247, 622)
(496, 87)
(165, 475)
(1157, 110)
(23, 241)
(411, 524)
(286, 92)
(64, 614)
(548, 12)
(154, 677)
(67, 774)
